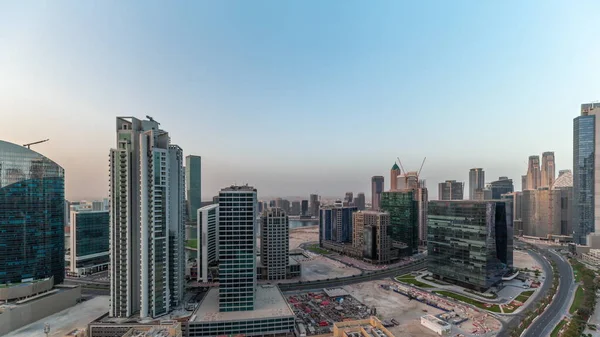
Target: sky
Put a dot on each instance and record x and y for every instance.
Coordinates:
(299, 97)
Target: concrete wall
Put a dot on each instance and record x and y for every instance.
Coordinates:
(26, 289)
(27, 313)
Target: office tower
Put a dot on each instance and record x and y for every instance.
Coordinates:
(349, 198)
(89, 242)
(523, 183)
(394, 173)
(304, 208)
(501, 186)
(260, 207)
(314, 205)
(534, 175)
(411, 181)
(586, 133)
(403, 207)
(285, 206)
(296, 208)
(476, 181)
(376, 190)
(207, 240)
(237, 248)
(359, 201)
(272, 204)
(371, 235)
(548, 169)
(215, 199)
(450, 190)
(564, 184)
(146, 227)
(459, 228)
(105, 204)
(193, 185)
(32, 216)
(97, 206)
(275, 244)
(336, 223)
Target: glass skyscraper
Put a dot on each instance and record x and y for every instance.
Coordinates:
(89, 241)
(32, 216)
(584, 140)
(193, 185)
(403, 207)
(237, 248)
(470, 242)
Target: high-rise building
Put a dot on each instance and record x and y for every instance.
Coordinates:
(534, 175)
(193, 185)
(403, 207)
(476, 181)
(411, 181)
(501, 186)
(275, 244)
(146, 227)
(564, 184)
(336, 223)
(349, 198)
(88, 242)
(457, 229)
(207, 240)
(523, 182)
(314, 205)
(97, 205)
(548, 169)
(237, 248)
(371, 235)
(359, 201)
(586, 134)
(394, 173)
(285, 206)
(450, 190)
(304, 208)
(32, 216)
(296, 208)
(376, 190)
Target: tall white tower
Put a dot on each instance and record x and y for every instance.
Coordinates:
(146, 220)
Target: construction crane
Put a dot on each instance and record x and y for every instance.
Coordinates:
(28, 145)
(423, 163)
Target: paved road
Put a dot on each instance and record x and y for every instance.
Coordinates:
(543, 325)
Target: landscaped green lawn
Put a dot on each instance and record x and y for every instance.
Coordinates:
(557, 328)
(192, 243)
(411, 280)
(316, 249)
(493, 307)
(577, 300)
(524, 296)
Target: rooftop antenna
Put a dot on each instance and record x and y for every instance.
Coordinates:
(28, 145)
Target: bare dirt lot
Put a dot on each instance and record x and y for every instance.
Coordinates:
(318, 268)
(302, 235)
(393, 305)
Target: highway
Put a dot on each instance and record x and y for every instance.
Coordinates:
(545, 323)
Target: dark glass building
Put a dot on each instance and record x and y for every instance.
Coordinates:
(403, 207)
(501, 186)
(584, 137)
(32, 216)
(89, 241)
(470, 242)
(335, 223)
(193, 186)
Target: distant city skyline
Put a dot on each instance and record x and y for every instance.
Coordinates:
(254, 87)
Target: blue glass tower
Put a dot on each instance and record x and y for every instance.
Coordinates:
(32, 216)
(584, 140)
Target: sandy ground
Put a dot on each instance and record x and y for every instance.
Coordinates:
(318, 267)
(522, 259)
(67, 320)
(392, 305)
(302, 235)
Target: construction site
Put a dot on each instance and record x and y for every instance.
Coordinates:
(316, 312)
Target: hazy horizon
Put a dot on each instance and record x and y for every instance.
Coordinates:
(301, 97)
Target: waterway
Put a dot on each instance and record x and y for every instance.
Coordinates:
(303, 223)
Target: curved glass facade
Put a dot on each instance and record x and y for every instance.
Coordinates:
(32, 214)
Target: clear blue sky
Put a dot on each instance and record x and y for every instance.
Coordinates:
(296, 97)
